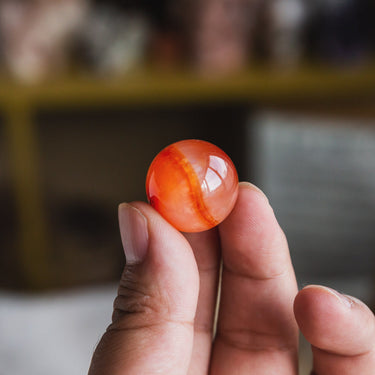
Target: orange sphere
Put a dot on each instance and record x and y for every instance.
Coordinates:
(193, 184)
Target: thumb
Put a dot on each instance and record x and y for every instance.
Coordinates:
(152, 322)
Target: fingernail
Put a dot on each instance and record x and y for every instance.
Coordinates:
(253, 187)
(343, 298)
(134, 233)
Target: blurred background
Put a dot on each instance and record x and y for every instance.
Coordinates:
(90, 91)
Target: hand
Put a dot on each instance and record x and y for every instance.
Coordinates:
(163, 316)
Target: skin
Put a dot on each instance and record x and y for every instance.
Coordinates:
(164, 314)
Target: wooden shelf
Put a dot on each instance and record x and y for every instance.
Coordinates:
(153, 87)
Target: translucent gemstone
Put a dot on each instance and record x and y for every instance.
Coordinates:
(193, 184)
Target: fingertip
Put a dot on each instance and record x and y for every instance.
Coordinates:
(169, 263)
(158, 226)
(252, 240)
(332, 321)
(315, 304)
(252, 205)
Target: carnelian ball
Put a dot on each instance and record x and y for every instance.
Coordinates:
(193, 184)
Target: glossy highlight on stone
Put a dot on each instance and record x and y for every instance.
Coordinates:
(193, 184)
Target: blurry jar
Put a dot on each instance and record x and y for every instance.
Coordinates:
(36, 33)
(112, 42)
(285, 23)
(223, 34)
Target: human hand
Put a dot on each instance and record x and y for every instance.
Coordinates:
(163, 316)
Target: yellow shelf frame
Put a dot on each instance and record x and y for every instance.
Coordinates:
(161, 87)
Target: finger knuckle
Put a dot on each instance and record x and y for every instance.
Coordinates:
(138, 299)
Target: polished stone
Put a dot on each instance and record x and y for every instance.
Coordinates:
(193, 184)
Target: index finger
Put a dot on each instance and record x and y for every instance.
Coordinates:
(257, 332)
